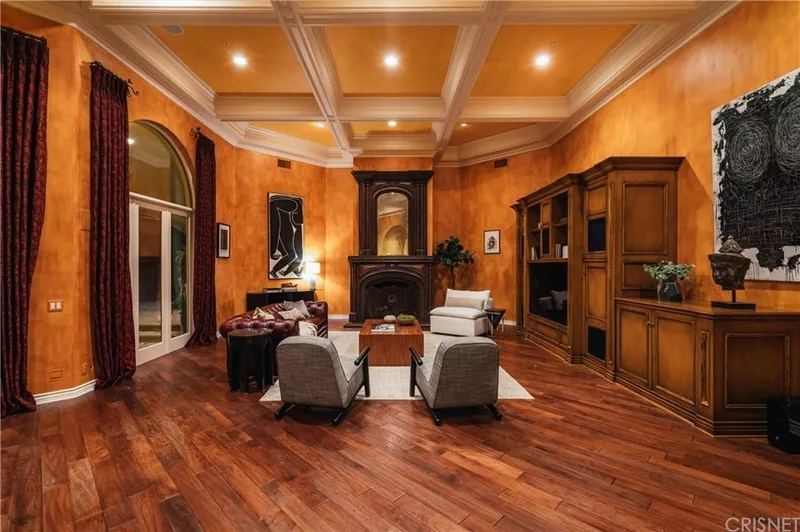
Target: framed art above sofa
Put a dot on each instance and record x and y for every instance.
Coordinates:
(286, 236)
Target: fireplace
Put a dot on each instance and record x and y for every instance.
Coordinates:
(390, 285)
(392, 273)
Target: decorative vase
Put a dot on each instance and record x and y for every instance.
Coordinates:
(669, 292)
(406, 320)
(389, 318)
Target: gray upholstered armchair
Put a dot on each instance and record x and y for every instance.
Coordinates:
(312, 373)
(464, 372)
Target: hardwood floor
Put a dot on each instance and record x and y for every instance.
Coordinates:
(174, 450)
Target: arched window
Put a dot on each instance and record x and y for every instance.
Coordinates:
(155, 168)
(161, 217)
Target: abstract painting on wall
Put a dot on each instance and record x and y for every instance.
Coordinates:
(286, 236)
(756, 165)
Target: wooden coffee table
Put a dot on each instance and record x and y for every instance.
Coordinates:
(391, 349)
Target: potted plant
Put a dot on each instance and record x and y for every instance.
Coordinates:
(668, 273)
(452, 254)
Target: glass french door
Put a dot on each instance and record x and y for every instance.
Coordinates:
(160, 276)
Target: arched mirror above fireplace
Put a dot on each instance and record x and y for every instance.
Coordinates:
(392, 221)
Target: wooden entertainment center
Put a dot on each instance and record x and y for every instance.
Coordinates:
(594, 304)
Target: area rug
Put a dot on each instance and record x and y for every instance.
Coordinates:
(391, 382)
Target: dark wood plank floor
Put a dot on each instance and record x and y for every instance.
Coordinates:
(174, 450)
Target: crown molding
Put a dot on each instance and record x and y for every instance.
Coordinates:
(671, 38)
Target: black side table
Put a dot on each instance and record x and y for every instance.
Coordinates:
(495, 316)
(249, 354)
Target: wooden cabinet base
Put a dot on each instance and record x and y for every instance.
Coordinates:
(716, 368)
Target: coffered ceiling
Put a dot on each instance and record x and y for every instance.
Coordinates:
(326, 80)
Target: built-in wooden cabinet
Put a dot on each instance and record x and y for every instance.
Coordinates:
(550, 246)
(630, 219)
(612, 218)
(714, 367)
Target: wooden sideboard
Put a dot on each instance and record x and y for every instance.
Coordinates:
(713, 367)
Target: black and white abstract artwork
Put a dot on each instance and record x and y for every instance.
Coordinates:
(285, 226)
(756, 165)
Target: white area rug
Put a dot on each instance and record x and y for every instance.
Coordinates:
(391, 382)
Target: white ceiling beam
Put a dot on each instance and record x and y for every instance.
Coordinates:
(472, 46)
(543, 12)
(278, 145)
(371, 13)
(376, 109)
(313, 54)
(198, 12)
(239, 108)
(514, 110)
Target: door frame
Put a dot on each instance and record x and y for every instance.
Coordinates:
(167, 344)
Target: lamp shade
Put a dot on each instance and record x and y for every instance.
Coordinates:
(313, 268)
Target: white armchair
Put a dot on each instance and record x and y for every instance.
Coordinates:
(462, 314)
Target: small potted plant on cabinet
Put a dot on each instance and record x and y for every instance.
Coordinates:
(668, 273)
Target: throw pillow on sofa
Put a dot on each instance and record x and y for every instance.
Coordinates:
(464, 302)
(293, 314)
(299, 305)
(261, 314)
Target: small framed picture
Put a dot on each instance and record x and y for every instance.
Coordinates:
(491, 242)
(223, 241)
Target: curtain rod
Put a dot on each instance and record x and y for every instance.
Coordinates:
(24, 34)
(128, 81)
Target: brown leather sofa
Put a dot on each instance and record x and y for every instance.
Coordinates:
(281, 328)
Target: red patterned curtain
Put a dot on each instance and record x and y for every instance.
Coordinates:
(205, 214)
(22, 194)
(111, 303)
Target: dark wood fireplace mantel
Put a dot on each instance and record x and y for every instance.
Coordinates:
(414, 185)
(391, 284)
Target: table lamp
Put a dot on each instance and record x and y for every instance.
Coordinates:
(312, 270)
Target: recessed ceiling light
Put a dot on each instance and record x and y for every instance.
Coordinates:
(239, 60)
(391, 60)
(319, 124)
(130, 141)
(542, 60)
(392, 123)
(463, 124)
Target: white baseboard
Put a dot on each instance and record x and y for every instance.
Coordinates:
(338, 316)
(62, 395)
(509, 322)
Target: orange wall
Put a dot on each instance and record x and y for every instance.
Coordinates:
(341, 237)
(60, 343)
(667, 112)
(256, 176)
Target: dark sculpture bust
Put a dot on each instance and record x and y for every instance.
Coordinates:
(728, 267)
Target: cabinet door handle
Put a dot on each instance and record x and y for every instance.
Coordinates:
(704, 368)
